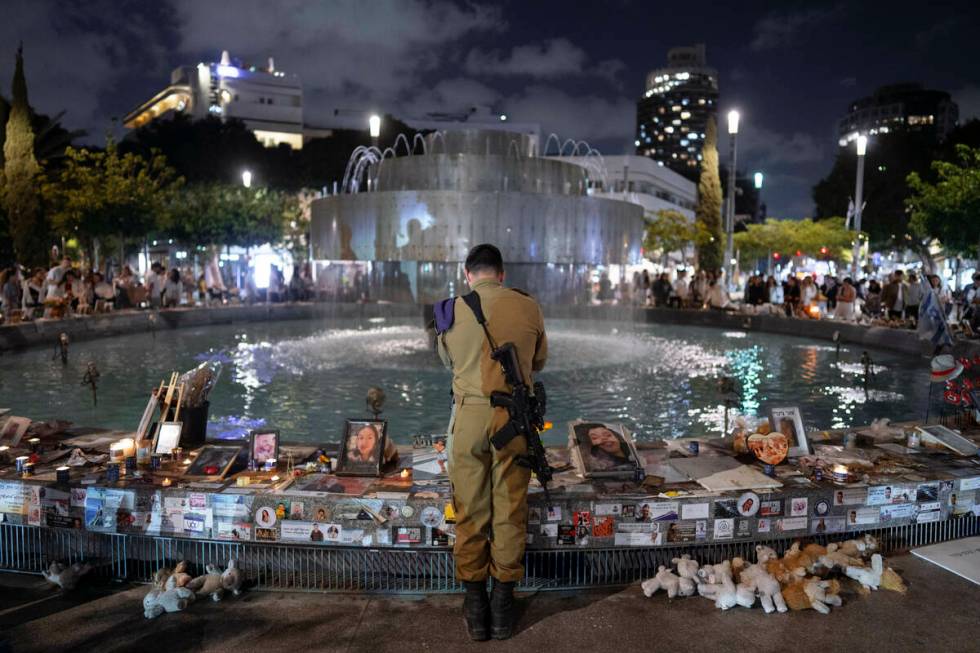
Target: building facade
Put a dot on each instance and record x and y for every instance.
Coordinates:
(268, 101)
(899, 107)
(673, 112)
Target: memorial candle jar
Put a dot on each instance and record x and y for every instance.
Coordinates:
(21, 461)
(34, 444)
(130, 464)
(63, 474)
(112, 472)
(117, 453)
(28, 469)
(4, 454)
(840, 473)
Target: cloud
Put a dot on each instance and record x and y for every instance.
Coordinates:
(551, 58)
(769, 148)
(968, 99)
(588, 117)
(780, 29)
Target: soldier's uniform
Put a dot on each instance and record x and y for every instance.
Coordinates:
(489, 487)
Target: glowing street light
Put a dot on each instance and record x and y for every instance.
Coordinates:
(757, 178)
(247, 178)
(730, 212)
(862, 148)
(374, 122)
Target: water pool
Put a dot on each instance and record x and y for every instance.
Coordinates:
(305, 377)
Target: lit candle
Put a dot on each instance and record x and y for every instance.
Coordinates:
(129, 447)
(840, 473)
(187, 461)
(242, 481)
(3, 453)
(270, 464)
(166, 482)
(275, 478)
(28, 469)
(62, 473)
(406, 473)
(34, 444)
(117, 452)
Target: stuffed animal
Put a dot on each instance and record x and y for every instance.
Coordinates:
(181, 575)
(687, 569)
(756, 580)
(66, 577)
(869, 578)
(723, 590)
(664, 580)
(812, 593)
(835, 559)
(232, 578)
(209, 584)
(170, 599)
(160, 578)
(861, 548)
(890, 580)
(788, 569)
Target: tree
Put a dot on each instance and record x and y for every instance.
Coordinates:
(826, 239)
(109, 195)
(21, 202)
(949, 207)
(669, 231)
(708, 212)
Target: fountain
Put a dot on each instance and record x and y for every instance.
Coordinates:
(429, 206)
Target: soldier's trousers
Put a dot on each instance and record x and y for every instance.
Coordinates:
(489, 495)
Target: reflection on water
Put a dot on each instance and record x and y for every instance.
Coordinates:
(306, 377)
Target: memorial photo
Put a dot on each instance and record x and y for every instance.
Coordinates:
(264, 446)
(789, 423)
(602, 448)
(362, 448)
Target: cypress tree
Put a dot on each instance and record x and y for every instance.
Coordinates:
(21, 177)
(708, 212)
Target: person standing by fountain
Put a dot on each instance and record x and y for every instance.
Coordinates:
(489, 485)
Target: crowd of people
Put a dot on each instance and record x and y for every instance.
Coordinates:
(65, 290)
(894, 299)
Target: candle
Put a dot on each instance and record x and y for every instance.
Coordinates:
(62, 473)
(187, 461)
(117, 452)
(112, 472)
(129, 447)
(840, 473)
(3, 453)
(130, 464)
(28, 469)
(34, 444)
(166, 482)
(242, 481)
(406, 473)
(275, 478)
(270, 464)
(21, 461)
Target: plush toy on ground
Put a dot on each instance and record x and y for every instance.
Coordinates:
(181, 575)
(835, 559)
(170, 599)
(862, 548)
(723, 590)
(664, 580)
(209, 584)
(232, 578)
(869, 578)
(687, 569)
(756, 580)
(66, 577)
(812, 593)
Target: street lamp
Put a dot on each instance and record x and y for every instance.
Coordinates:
(862, 148)
(757, 177)
(730, 212)
(247, 178)
(374, 122)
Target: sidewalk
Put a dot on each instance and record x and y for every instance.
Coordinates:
(939, 613)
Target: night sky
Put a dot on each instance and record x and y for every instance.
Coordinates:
(575, 67)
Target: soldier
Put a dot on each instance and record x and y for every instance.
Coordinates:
(489, 486)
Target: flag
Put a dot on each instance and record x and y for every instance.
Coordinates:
(932, 319)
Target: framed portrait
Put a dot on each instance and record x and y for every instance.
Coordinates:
(789, 422)
(167, 437)
(601, 449)
(263, 445)
(213, 461)
(362, 447)
(13, 430)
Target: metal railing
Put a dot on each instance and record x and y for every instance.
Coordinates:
(311, 568)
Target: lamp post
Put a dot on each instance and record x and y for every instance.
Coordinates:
(730, 208)
(247, 178)
(862, 148)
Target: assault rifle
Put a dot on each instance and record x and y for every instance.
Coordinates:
(526, 413)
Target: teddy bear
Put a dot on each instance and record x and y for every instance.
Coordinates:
(209, 584)
(169, 599)
(869, 578)
(664, 580)
(180, 572)
(788, 569)
(687, 569)
(66, 577)
(160, 578)
(232, 578)
(834, 558)
(722, 589)
(861, 548)
(755, 580)
(812, 593)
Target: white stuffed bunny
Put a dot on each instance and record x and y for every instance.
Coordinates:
(232, 578)
(66, 577)
(869, 578)
(170, 599)
(664, 580)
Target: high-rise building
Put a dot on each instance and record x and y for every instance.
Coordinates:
(899, 107)
(672, 113)
(268, 101)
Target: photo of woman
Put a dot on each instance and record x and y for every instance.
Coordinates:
(363, 448)
(603, 448)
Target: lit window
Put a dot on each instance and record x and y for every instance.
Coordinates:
(684, 141)
(685, 115)
(669, 130)
(676, 121)
(701, 100)
(676, 108)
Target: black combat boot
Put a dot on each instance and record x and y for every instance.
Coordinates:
(501, 610)
(476, 608)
